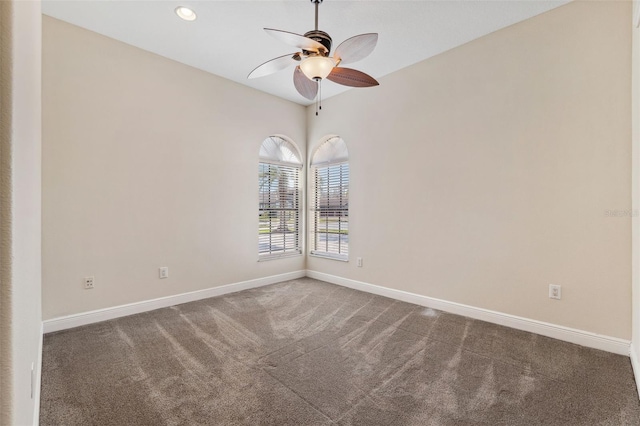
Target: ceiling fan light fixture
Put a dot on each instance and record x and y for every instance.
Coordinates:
(317, 67)
(185, 13)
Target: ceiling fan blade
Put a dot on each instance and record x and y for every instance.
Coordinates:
(351, 77)
(304, 86)
(274, 65)
(297, 40)
(356, 48)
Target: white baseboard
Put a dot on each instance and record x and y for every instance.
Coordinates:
(580, 337)
(635, 363)
(77, 320)
(38, 382)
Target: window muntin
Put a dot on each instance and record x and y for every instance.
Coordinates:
(330, 210)
(279, 204)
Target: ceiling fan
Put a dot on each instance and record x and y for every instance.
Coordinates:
(313, 63)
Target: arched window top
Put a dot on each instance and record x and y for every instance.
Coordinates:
(333, 150)
(275, 148)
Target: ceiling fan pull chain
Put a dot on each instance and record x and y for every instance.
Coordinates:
(319, 96)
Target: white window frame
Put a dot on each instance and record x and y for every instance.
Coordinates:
(267, 205)
(339, 160)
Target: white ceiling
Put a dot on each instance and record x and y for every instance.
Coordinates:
(227, 38)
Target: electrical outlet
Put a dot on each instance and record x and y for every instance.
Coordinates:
(555, 291)
(164, 272)
(88, 283)
(359, 262)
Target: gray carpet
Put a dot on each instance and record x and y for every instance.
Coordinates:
(305, 352)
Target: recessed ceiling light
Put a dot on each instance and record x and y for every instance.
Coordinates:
(185, 13)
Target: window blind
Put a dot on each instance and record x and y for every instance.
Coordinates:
(279, 210)
(330, 233)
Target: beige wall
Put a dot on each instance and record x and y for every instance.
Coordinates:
(148, 163)
(635, 179)
(20, 309)
(479, 176)
(482, 175)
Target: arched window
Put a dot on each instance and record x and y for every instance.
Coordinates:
(279, 200)
(330, 210)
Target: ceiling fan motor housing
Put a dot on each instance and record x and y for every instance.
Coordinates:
(322, 38)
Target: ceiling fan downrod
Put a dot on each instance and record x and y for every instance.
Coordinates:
(317, 3)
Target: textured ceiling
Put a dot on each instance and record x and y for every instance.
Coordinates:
(227, 38)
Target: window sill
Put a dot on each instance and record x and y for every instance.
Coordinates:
(266, 257)
(338, 257)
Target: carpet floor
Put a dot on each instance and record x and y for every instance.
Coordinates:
(305, 352)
